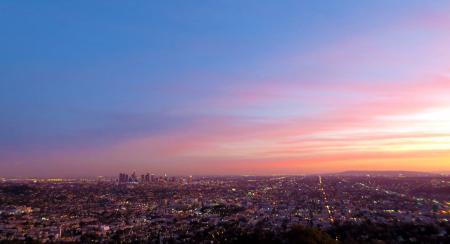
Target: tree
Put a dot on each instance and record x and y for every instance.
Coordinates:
(306, 235)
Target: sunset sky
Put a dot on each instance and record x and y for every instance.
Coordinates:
(223, 87)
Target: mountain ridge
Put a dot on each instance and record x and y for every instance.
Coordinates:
(390, 173)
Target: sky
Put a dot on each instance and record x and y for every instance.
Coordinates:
(226, 87)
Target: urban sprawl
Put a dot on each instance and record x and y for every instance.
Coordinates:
(236, 209)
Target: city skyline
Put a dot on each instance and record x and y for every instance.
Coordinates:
(223, 88)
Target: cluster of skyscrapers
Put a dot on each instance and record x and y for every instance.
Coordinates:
(148, 178)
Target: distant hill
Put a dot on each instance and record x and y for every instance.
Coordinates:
(386, 173)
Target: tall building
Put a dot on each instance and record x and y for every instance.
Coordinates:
(123, 178)
(133, 177)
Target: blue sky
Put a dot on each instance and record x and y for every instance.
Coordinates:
(92, 74)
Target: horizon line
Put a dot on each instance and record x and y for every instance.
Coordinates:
(233, 175)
